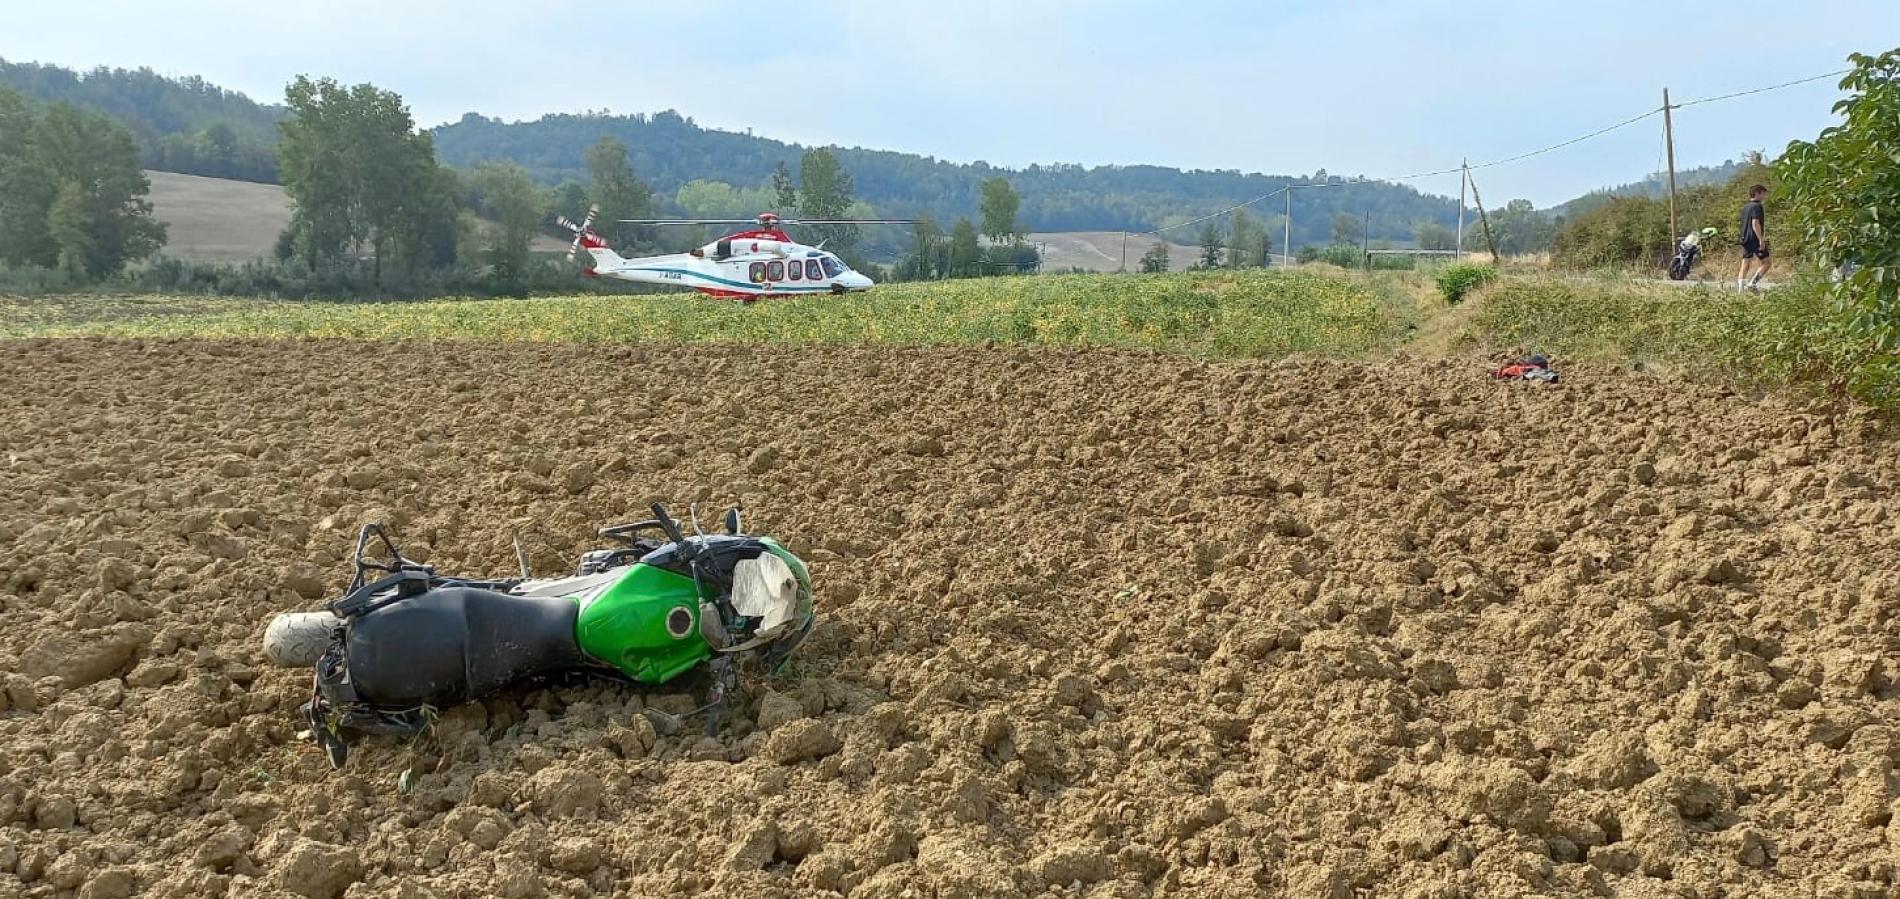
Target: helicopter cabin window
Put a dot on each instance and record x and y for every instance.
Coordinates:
(795, 269)
(833, 267)
(775, 271)
(757, 273)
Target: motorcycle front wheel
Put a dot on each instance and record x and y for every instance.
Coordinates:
(299, 639)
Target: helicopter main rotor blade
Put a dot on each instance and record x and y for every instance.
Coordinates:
(688, 221)
(849, 222)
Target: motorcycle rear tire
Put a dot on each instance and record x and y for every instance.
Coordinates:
(299, 639)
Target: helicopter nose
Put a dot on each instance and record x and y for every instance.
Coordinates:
(855, 282)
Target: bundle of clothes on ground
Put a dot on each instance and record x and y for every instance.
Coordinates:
(1535, 367)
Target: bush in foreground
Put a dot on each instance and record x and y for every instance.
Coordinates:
(1455, 281)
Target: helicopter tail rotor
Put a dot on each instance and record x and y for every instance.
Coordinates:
(583, 233)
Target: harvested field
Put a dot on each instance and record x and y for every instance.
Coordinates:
(1108, 623)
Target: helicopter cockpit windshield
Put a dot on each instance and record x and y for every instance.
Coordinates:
(833, 268)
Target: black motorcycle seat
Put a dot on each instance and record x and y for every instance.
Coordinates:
(456, 644)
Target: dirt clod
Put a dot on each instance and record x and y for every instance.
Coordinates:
(801, 740)
(317, 870)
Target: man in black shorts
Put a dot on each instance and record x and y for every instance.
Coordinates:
(1754, 240)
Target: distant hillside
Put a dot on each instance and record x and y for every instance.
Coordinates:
(1655, 185)
(668, 150)
(189, 126)
(182, 124)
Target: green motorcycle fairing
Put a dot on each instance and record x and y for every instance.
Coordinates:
(646, 625)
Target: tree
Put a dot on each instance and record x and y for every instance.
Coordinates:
(357, 172)
(1244, 240)
(612, 186)
(72, 195)
(71, 228)
(1346, 228)
(512, 201)
(1156, 259)
(570, 199)
(221, 149)
(1211, 245)
(1434, 236)
(783, 189)
(1519, 228)
(824, 190)
(999, 206)
(1842, 190)
(966, 254)
(719, 200)
(928, 256)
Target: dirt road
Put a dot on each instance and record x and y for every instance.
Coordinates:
(1095, 623)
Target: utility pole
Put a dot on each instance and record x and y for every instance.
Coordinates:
(1286, 234)
(1464, 177)
(1124, 251)
(1365, 239)
(1483, 219)
(1669, 140)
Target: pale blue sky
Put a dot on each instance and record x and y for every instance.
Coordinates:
(1378, 87)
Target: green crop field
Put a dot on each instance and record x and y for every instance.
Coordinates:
(1245, 313)
(1786, 337)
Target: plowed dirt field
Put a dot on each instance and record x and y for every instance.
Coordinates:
(1094, 623)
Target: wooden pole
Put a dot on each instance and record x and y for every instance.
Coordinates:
(1124, 251)
(1286, 233)
(1483, 219)
(1669, 140)
(1464, 177)
(1365, 239)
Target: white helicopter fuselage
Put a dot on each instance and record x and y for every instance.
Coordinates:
(745, 266)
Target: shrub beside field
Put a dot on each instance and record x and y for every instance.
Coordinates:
(1223, 313)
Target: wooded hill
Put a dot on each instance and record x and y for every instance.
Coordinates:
(190, 126)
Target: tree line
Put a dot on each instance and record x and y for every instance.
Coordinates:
(188, 125)
(374, 211)
(998, 247)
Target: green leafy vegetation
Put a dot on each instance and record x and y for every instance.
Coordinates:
(1222, 313)
(1844, 188)
(72, 195)
(1342, 255)
(1789, 336)
(1633, 231)
(1457, 281)
(1155, 260)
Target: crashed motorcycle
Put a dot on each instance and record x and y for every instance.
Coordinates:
(1687, 252)
(404, 642)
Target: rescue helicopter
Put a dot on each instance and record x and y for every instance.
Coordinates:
(761, 261)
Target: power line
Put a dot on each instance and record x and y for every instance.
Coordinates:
(1214, 215)
(1496, 162)
(1762, 90)
(1575, 140)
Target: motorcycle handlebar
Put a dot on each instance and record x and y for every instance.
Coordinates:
(668, 525)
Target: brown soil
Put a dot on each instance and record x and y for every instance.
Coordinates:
(1096, 623)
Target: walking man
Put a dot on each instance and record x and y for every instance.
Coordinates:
(1754, 240)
